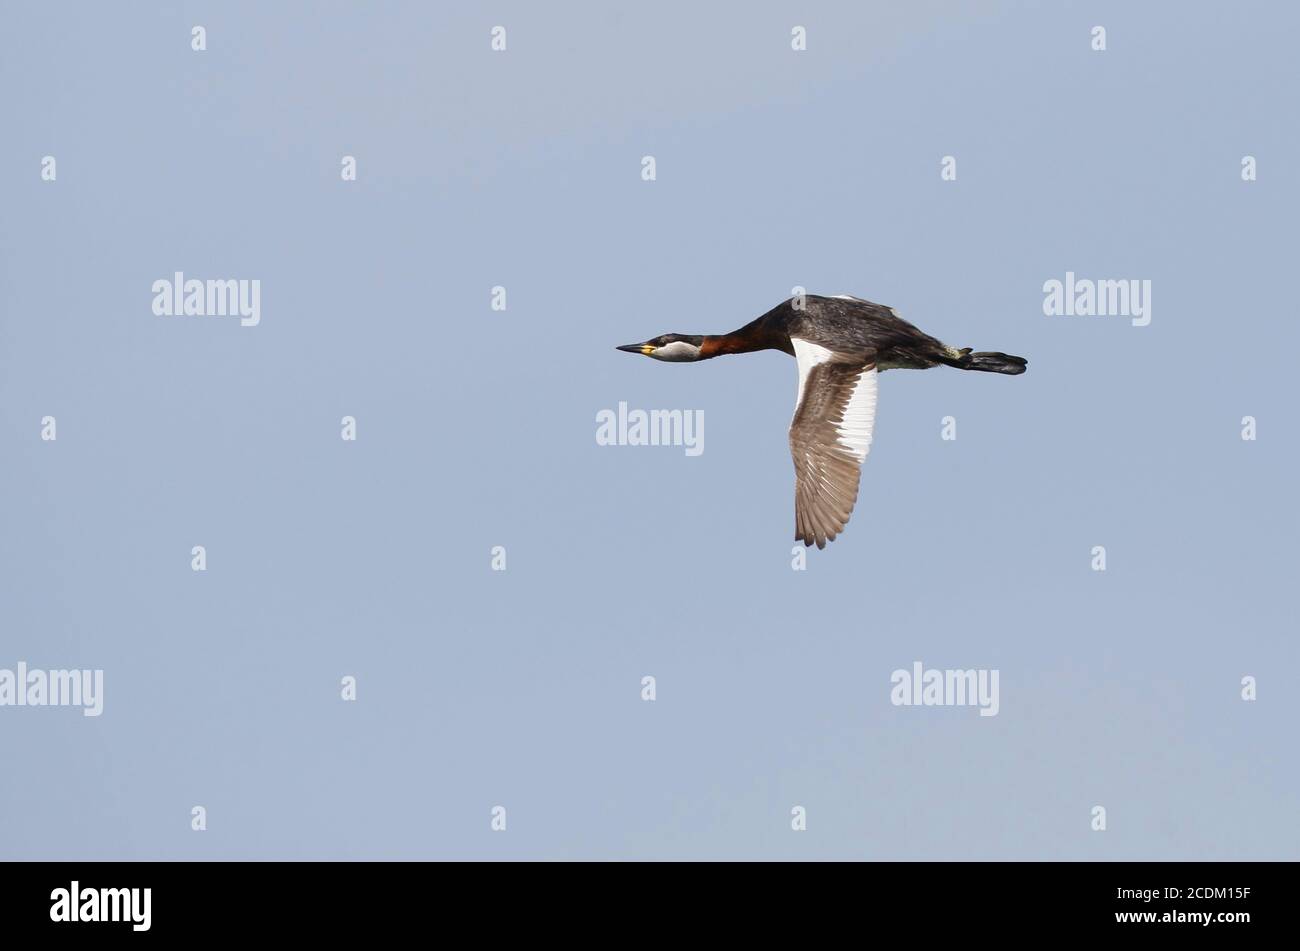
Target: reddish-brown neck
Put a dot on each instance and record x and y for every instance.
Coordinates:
(738, 342)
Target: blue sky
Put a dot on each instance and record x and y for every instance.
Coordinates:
(476, 428)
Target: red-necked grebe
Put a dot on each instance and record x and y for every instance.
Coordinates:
(840, 344)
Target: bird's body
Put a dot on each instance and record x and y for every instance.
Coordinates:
(843, 324)
(840, 344)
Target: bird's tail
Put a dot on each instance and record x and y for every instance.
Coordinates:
(988, 361)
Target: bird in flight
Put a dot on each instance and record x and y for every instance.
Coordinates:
(840, 344)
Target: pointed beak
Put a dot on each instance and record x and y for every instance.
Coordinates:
(638, 348)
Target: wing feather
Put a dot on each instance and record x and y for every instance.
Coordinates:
(830, 436)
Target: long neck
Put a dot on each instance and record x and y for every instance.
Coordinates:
(747, 339)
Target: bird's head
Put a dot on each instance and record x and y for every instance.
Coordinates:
(673, 348)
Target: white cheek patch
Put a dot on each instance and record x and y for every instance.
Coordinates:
(677, 350)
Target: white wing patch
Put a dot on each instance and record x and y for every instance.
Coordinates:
(807, 355)
(859, 416)
(855, 428)
(830, 436)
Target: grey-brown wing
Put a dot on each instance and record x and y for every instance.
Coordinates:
(830, 436)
